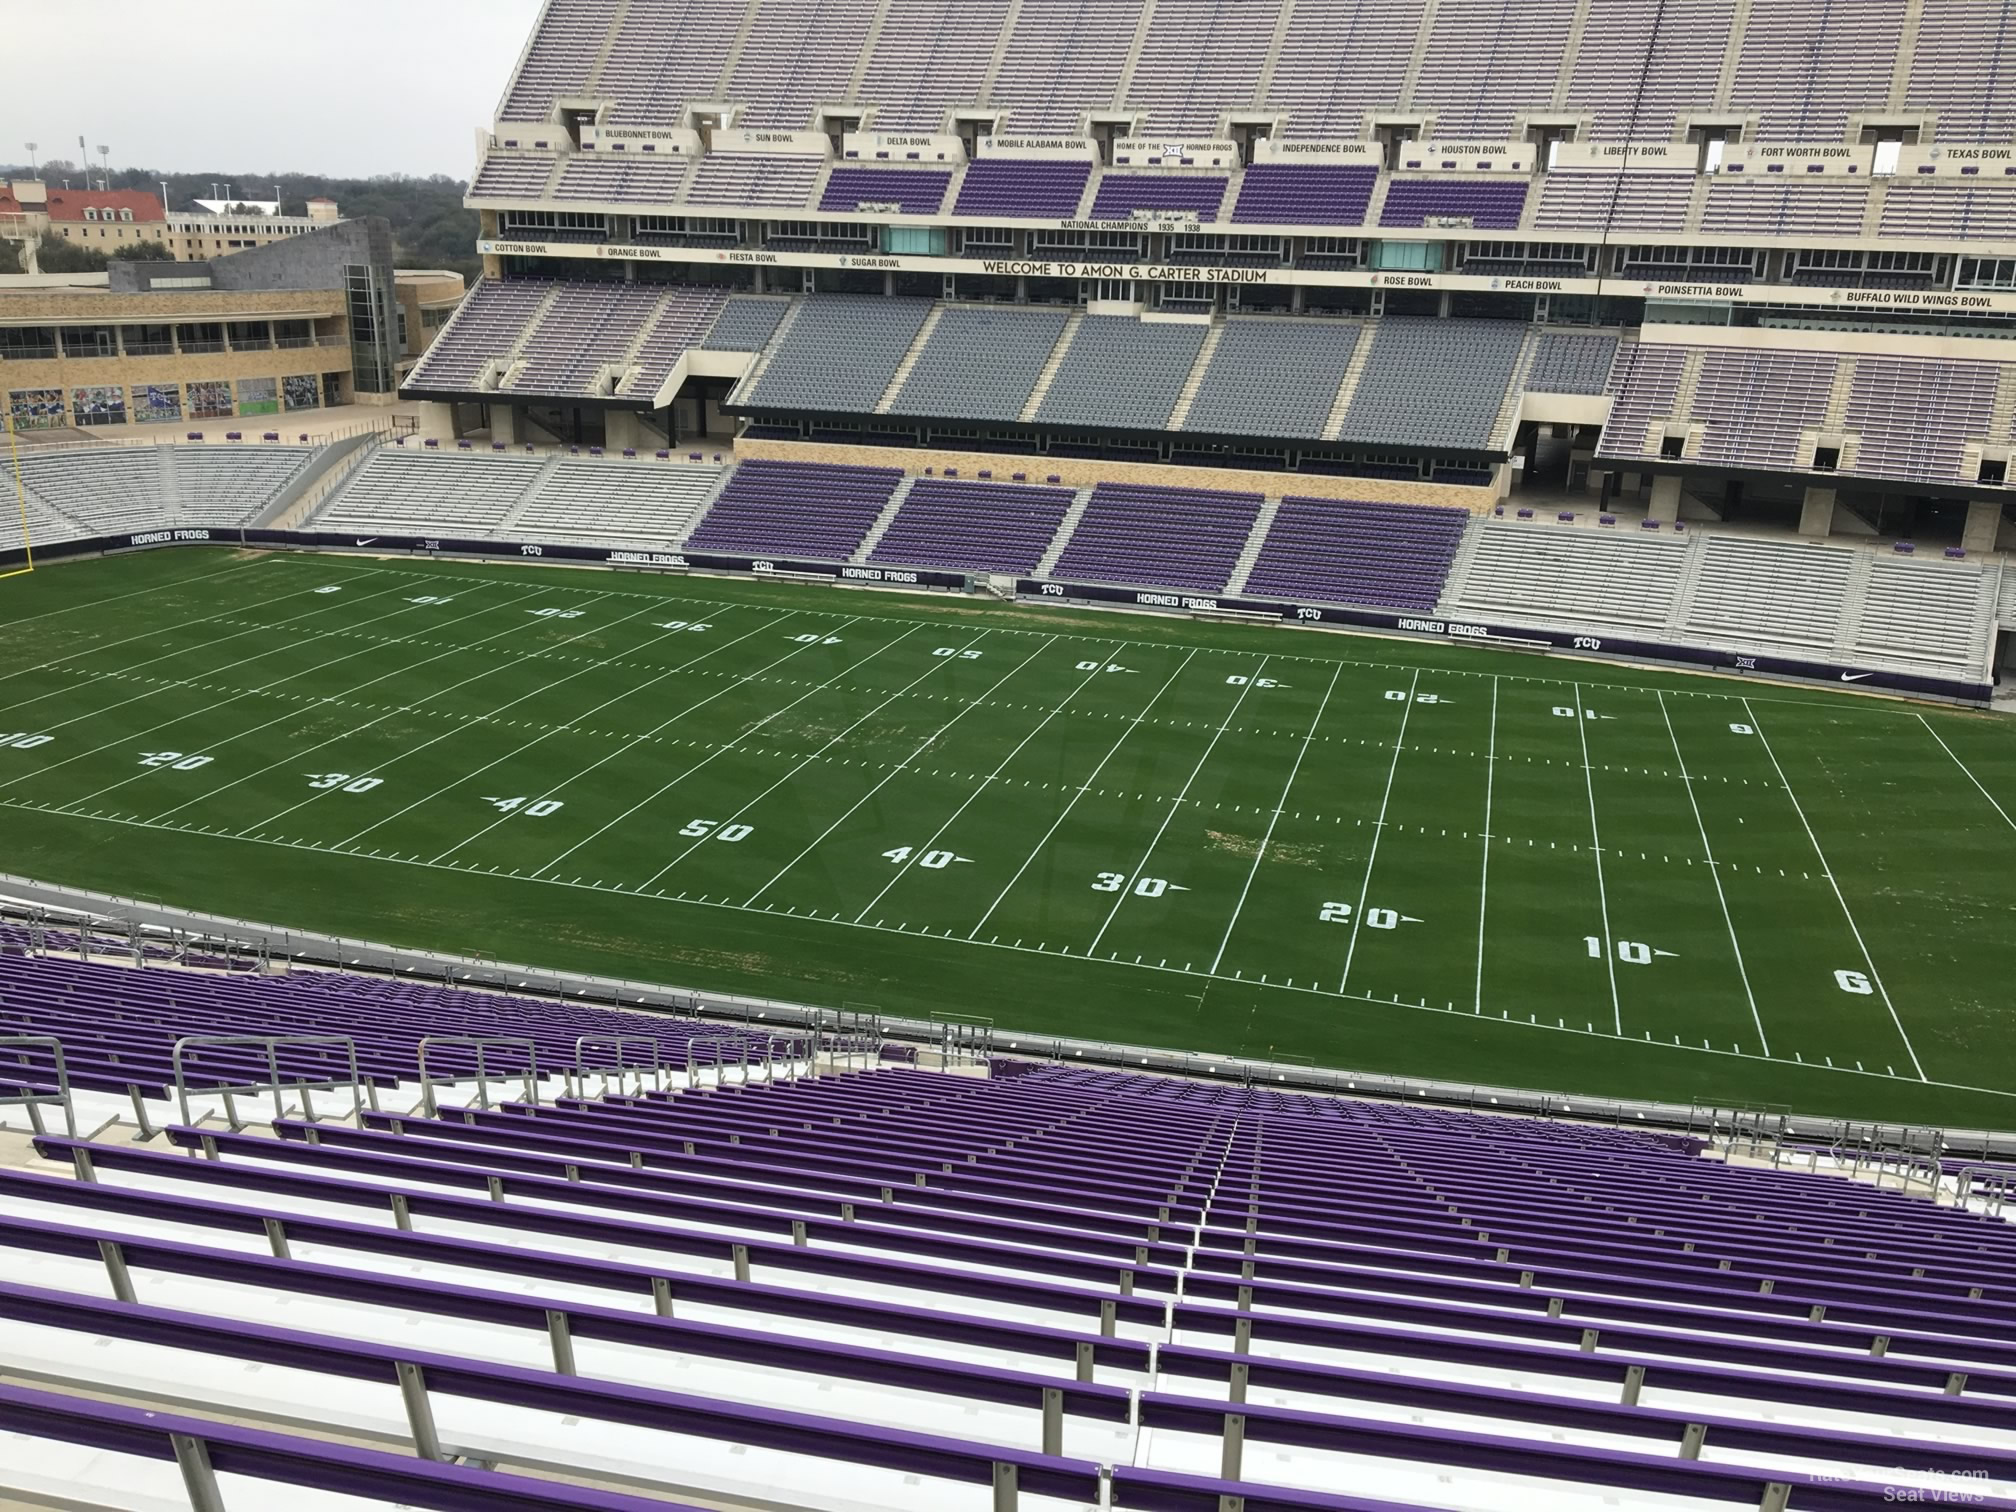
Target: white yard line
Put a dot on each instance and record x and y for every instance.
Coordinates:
(987, 781)
(902, 766)
(1715, 873)
(1378, 830)
(1018, 948)
(299, 711)
(475, 719)
(29, 619)
(1970, 776)
(629, 745)
(463, 725)
(805, 762)
(1176, 805)
(1484, 872)
(185, 682)
(1280, 807)
(154, 635)
(834, 922)
(720, 750)
(86, 679)
(1596, 849)
(1133, 724)
(1828, 872)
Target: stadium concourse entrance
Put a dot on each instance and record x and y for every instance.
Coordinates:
(694, 415)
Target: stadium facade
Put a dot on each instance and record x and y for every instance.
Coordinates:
(1752, 259)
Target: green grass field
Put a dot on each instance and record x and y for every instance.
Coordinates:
(1387, 855)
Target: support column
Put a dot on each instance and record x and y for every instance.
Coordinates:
(1664, 505)
(1816, 515)
(623, 429)
(437, 420)
(503, 422)
(1984, 524)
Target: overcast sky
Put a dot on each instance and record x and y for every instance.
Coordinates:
(350, 88)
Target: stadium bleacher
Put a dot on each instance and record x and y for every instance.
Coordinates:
(1306, 362)
(911, 1290)
(980, 364)
(796, 509)
(1121, 372)
(1167, 537)
(1434, 382)
(77, 492)
(972, 526)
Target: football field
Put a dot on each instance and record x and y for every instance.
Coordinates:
(1374, 853)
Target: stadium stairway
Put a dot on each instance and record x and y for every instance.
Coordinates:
(909, 362)
(883, 521)
(1051, 368)
(530, 496)
(1195, 381)
(1250, 552)
(1066, 528)
(1347, 386)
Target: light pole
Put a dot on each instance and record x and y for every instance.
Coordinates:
(34, 168)
(104, 166)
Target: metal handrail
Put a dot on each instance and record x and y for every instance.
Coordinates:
(622, 1066)
(271, 1043)
(33, 1101)
(480, 1043)
(1999, 1181)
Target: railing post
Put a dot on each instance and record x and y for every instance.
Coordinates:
(1053, 1420)
(419, 1411)
(1004, 1487)
(560, 1333)
(115, 1269)
(1234, 1449)
(199, 1480)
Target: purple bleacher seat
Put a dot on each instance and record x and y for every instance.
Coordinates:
(270, 436)
(807, 509)
(1305, 194)
(1525, 514)
(498, 446)
(1567, 516)
(1023, 188)
(1488, 204)
(973, 527)
(1355, 551)
(1648, 524)
(663, 456)
(464, 446)
(1956, 553)
(1904, 548)
(1121, 194)
(915, 191)
(1159, 537)
(1608, 519)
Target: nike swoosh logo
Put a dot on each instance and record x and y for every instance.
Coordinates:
(367, 540)
(1855, 676)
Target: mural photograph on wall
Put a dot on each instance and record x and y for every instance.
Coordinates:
(210, 401)
(98, 404)
(258, 396)
(154, 403)
(36, 409)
